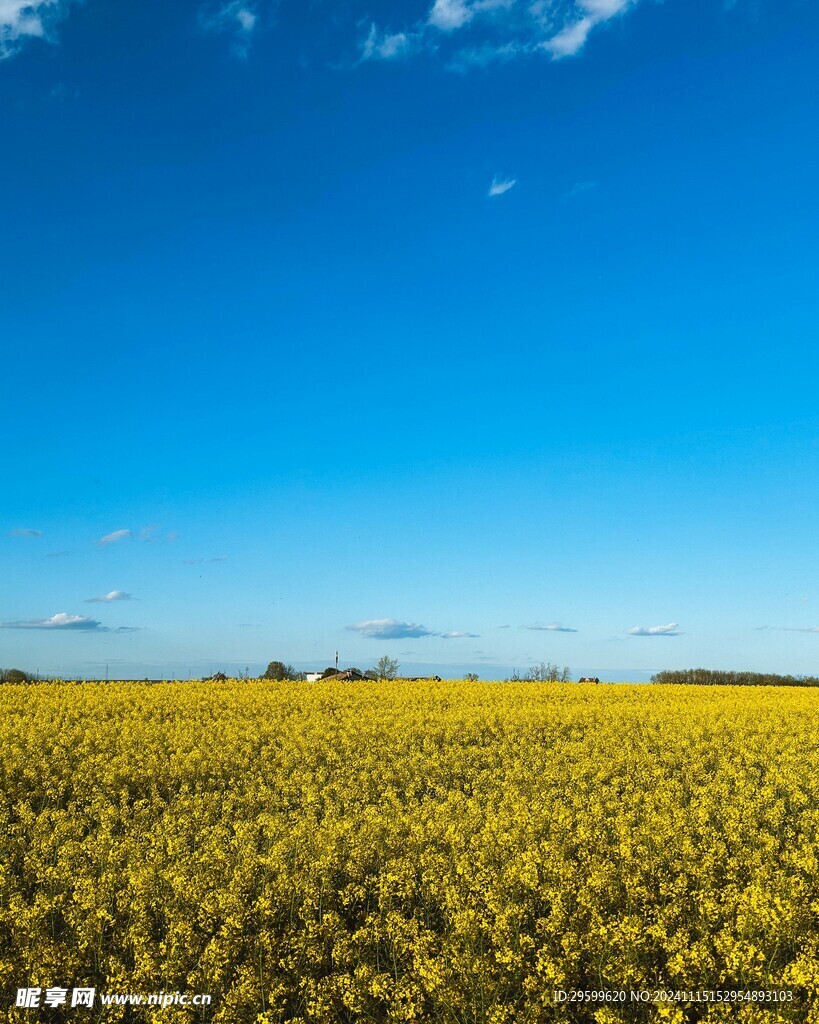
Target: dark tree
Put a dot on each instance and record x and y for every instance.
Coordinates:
(15, 676)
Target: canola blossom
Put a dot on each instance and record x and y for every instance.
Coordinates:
(395, 852)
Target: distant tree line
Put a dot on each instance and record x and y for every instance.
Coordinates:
(545, 672)
(716, 677)
(279, 671)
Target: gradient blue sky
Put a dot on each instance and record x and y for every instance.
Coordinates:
(261, 309)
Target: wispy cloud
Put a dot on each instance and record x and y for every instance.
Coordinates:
(64, 622)
(471, 33)
(380, 45)
(501, 185)
(117, 535)
(21, 20)
(235, 18)
(57, 554)
(553, 627)
(389, 629)
(113, 595)
(570, 39)
(457, 634)
(791, 629)
(579, 23)
(20, 532)
(668, 630)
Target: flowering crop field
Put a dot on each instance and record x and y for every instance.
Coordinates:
(432, 852)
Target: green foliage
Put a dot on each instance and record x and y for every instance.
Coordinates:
(386, 668)
(471, 677)
(279, 671)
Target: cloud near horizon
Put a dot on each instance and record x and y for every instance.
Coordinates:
(393, 629)
(478, 32)
(553, 627)
(117, 535)
(64, 622)
(668, 630)
(389, 629)
(791, 629)
(113, 595)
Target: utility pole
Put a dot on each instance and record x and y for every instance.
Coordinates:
(336, 661)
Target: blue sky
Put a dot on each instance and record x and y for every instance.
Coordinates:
(474, 333)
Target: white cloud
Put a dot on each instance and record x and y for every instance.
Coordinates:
(553, 627)
(389, 629)
(25, 533)
(448, 15)
(113, 595)
(236, 18)
(27, 19)
(668, 630)
(457, 634)
(604, 8)
(115, 537)
(387, 46)
(501, 185)
(569, 40)
(64, 622)
(475, 33)
(573, 35)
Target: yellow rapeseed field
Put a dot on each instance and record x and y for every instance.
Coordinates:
(447, 852)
